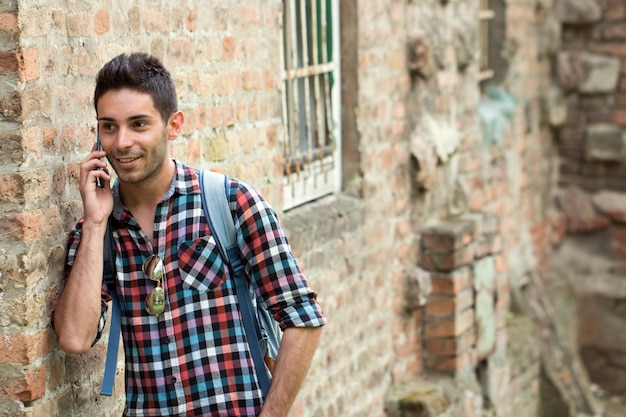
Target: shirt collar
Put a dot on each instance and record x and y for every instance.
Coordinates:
(185, 181)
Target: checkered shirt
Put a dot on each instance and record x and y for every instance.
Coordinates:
(194, 360)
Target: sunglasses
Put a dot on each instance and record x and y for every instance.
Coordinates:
(154, 269)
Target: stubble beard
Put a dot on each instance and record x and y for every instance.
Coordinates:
(153, 161)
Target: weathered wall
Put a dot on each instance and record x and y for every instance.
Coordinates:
(223, 57)
(591, 140)
(439, 220)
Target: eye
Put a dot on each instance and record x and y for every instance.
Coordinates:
(108, 127)
(140, 124)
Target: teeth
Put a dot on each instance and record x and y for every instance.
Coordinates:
(127, 159)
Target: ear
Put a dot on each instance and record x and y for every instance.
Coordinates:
(175, 125)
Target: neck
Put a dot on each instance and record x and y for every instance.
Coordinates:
(150, 191)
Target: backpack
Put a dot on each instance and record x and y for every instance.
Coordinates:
(257, 320)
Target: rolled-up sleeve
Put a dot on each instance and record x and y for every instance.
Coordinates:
(272, 267)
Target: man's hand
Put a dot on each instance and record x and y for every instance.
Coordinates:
(97, 201)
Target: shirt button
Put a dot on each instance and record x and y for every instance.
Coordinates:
(173, 380)
(167, 340)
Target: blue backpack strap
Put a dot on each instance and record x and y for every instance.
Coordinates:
(115, 325)
(214, 188)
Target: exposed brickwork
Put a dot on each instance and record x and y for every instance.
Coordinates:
(455, 328)
(465, 213)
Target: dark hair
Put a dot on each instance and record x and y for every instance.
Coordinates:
(140, 72)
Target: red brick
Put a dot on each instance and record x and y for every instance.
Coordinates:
(229, 48)
(437, 261)
(451, 283)
(269, 76)
(9, 61)
(451, 346)
(214, 116)
(192, 19)
(26, 226)
(29, 386)
(449, 306)
(24, 348)
(448, 236)
(452, 363)
(102, 21)
(9, 23)
(250, 16)
(446, 327)
(228, 116)
(29, 64)
(241, 111)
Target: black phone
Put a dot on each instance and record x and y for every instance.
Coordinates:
(99, 182)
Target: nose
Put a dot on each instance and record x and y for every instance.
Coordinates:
(124, 138)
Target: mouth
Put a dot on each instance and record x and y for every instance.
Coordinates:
(126, 161)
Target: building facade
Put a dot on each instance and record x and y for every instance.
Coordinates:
(448, 172)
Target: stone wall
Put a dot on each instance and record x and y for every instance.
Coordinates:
(591, 139)
(441, 215)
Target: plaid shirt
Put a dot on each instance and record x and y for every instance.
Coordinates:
(193, 360)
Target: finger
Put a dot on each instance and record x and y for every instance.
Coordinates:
(102, 175)
(93, 163)
(95, 153)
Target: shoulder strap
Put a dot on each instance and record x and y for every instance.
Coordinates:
(115, 326)
(217, 210)
(214, 188)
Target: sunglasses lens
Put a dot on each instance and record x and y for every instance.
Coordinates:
(153, 268)
(155, 301)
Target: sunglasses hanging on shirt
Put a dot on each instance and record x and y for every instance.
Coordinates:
(154, 269)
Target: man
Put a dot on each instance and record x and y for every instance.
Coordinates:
(190, 359)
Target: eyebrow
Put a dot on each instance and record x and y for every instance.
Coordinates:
(130, 119)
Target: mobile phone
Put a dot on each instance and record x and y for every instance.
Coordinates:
(98, 147)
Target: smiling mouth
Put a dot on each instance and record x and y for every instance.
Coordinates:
(126, 160)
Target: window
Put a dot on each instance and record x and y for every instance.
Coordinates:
(311, 99)
(494, 63)
(485, 16)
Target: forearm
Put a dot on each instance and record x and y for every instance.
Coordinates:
(294, 358)
(78, 309)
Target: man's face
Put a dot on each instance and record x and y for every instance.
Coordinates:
(133, 134)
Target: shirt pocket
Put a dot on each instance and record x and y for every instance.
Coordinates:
(200, 264)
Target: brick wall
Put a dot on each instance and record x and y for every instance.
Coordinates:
(223, 59)
(404, 294)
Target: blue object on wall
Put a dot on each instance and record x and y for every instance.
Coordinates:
(495, 112)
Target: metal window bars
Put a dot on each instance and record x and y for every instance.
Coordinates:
(308, 78)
